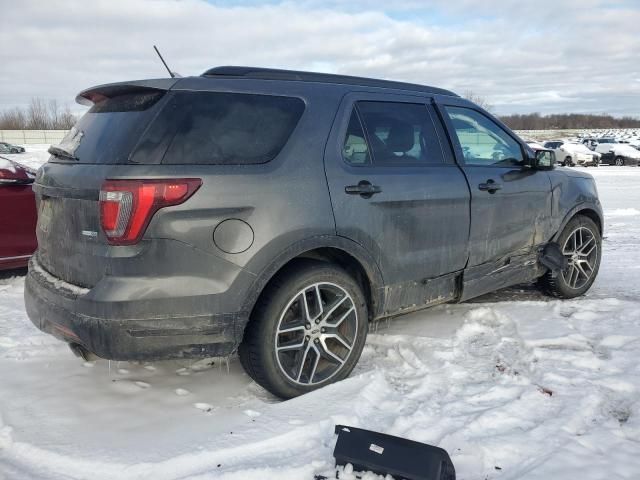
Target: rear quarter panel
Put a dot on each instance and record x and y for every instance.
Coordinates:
(284, 201)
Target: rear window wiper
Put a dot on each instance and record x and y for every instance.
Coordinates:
(60, 152)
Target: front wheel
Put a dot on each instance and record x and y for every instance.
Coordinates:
(307, 330)
(619, 161)
(568, 162)
(581, 244)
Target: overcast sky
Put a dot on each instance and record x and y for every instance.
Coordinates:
(538, 56)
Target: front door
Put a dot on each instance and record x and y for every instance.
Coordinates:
(510, 202)
(395, 193)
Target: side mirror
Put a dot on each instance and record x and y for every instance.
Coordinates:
(544, 160)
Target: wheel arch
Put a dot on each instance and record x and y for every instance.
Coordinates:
(338, 250)
(586, 210)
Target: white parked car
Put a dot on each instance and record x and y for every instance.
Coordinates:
(535, 145)
(571, 154)
(618, 154)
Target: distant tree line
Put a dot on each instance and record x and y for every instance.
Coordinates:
(567, 121)
(40, 114)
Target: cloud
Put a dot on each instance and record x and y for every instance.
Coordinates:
(565, 55)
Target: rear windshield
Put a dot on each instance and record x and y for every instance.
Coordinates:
(110, 130)
(226, 128)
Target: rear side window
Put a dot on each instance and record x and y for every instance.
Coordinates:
(355, 149)
(399, 133)
(228, 128)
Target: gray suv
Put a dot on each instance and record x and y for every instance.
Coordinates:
(277, 214)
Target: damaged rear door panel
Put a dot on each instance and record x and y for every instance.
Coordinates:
(395, 192)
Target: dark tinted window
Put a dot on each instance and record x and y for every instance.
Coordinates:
(355, 149)
(111, 128)
(228, 128)
(130, 102)
(400, 133)
(483, 141)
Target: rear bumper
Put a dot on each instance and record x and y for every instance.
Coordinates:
(124, 333)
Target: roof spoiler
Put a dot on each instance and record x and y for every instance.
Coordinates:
(98, 93)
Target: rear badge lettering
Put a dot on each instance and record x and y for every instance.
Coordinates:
(89, 233)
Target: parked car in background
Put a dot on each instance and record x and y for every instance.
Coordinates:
(17, 215)
(590, 143)
(9, 148)
(277, 213)
(618, 154)
(534, 145)
(571, 154)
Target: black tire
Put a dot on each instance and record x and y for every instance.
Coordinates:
(619, 161)
(257, 351)
(568, 162)
(559, 285)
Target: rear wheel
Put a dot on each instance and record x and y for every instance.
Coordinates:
(581, 245)
(568, 162)
(307, 330)
(619, 161)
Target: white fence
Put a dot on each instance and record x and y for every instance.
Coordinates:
(22, 137)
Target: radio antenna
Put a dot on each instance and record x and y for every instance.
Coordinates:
(171, 74)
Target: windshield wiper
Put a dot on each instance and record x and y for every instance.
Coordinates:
(60, 152)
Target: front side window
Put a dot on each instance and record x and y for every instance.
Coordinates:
(400, 133)
(483, 141)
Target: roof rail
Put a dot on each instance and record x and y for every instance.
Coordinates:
(294, 75)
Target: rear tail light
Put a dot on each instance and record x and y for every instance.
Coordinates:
(127, 206)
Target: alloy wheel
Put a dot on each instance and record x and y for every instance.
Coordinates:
(581, 249)
(316, 333)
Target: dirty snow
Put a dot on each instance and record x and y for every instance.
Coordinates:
(514, 385)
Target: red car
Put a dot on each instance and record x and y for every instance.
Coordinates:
(17, 215)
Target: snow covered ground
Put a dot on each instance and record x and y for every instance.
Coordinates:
(34, 156)
(514, 385)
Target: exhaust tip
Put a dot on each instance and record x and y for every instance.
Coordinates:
(81, 351)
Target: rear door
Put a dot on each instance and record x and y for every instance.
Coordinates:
(394, 191)
(510, 202)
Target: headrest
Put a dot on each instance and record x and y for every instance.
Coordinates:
(401, 136)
